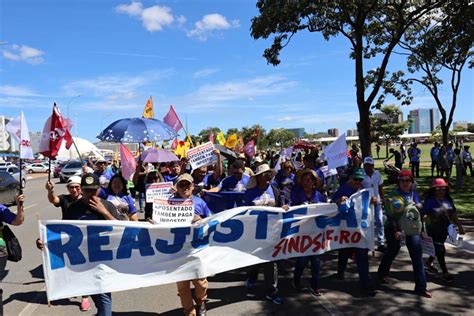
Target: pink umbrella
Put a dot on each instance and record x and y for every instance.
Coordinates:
(158, 155)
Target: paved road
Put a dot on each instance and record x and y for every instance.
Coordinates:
(24, 291)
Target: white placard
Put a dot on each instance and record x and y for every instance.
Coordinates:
(201, 155)
(173, 212)
(159, 190)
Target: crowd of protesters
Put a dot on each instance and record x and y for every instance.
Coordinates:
(271, 179)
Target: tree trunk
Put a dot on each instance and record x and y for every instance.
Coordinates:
(386, 149)
(364, 132)
(445, 134)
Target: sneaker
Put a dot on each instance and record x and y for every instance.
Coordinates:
(296, 285)
(448, 278)
(85, 305)
(430, 268)
(275, 299)
(201, 309)
(250, 284)
(314, 291)
(424, 293)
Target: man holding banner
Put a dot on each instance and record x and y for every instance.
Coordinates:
(184, 190)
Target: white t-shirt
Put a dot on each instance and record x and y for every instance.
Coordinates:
(373, 182)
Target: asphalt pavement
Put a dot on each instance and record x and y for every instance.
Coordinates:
(24, 287)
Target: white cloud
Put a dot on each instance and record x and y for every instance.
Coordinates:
(209, 24)
(153, 18)
(17, 91)
(205, 72)
(24, 53)
(340, 118)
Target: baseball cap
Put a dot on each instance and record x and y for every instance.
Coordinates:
(369, 160)
(405, 174)
(358, 173)
(257, 159)
(90, 181)
(185, 177)
(100, 160)
(73, 180)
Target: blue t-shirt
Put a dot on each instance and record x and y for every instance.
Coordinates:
(124, 203)
(415, 154)
(231, 183)
(298, 197)
(344, 190)
(259, 197)
(6, 215)
(170, 178)
(108, 174)
(200, 207)
(411, 196)
(434, 153)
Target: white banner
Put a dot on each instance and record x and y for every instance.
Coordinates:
(336, 152)
(201, 155)
(173, 212)
(158, 190)
(90, 257)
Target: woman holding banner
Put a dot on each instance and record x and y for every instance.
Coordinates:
(117, 193)
(305, 192)
(440, 213)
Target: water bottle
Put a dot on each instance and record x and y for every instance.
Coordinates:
(402, 239)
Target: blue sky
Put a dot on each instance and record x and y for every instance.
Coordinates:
(196, 55)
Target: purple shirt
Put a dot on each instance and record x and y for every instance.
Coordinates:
(6, 215)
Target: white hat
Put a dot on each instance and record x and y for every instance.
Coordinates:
(74, 180)
(260, 169)
(369, 160)
(257, 159)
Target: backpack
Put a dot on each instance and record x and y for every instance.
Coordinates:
(12, 244)
(410, 220)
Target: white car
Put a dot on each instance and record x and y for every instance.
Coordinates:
(37, 167)
(15, 172)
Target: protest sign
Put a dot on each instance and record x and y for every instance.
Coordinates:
(201, 155)
(91, 257)
(173, 212)
(158, 190)
(335, 153)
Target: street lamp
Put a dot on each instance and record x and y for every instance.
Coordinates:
(70, 100)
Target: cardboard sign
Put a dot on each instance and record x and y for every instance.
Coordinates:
(173, 212)
(161, 190)
(201, 155)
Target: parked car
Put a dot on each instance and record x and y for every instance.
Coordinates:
(37, 167)
(58, 168)
(15, 172)
(6, 164)
(72, 168)
(9, 188)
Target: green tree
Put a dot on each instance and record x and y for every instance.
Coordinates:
(205, 133)
(441, 44)
(386, 128)
(231, 131)
(373, 29)
(470, 127)
(280, 137)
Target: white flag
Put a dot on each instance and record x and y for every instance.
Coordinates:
(335, 153)
(19, 130)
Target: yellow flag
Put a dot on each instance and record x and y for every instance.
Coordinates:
(148, 111)
(181, 149)
(231, 141)
(221, 138)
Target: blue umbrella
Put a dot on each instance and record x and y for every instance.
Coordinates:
(137, 130)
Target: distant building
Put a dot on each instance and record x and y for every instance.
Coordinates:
(423, 120)
(352, 132)
(334, 132)
(395, 120)
(298, 132)
(462, 124)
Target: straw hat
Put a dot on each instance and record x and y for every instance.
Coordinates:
(260, 169)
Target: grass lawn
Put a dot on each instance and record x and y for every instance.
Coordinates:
(463, 198)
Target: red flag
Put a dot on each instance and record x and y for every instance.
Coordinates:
(55, 130)
(127, 162)
(174, 145)
(250, 149)
(172, 120)
(211, 136)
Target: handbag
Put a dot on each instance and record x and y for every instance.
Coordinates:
(12, 243)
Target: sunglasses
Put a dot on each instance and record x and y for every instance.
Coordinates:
(440, 189)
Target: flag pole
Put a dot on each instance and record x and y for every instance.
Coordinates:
(21, 164)
(77, 149)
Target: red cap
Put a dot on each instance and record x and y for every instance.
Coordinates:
(405, 174)
(439, 183)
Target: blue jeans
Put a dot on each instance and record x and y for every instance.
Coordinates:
(103, 303)
(301, 263)
(362, 259)
(378, 220)
(414, 248)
